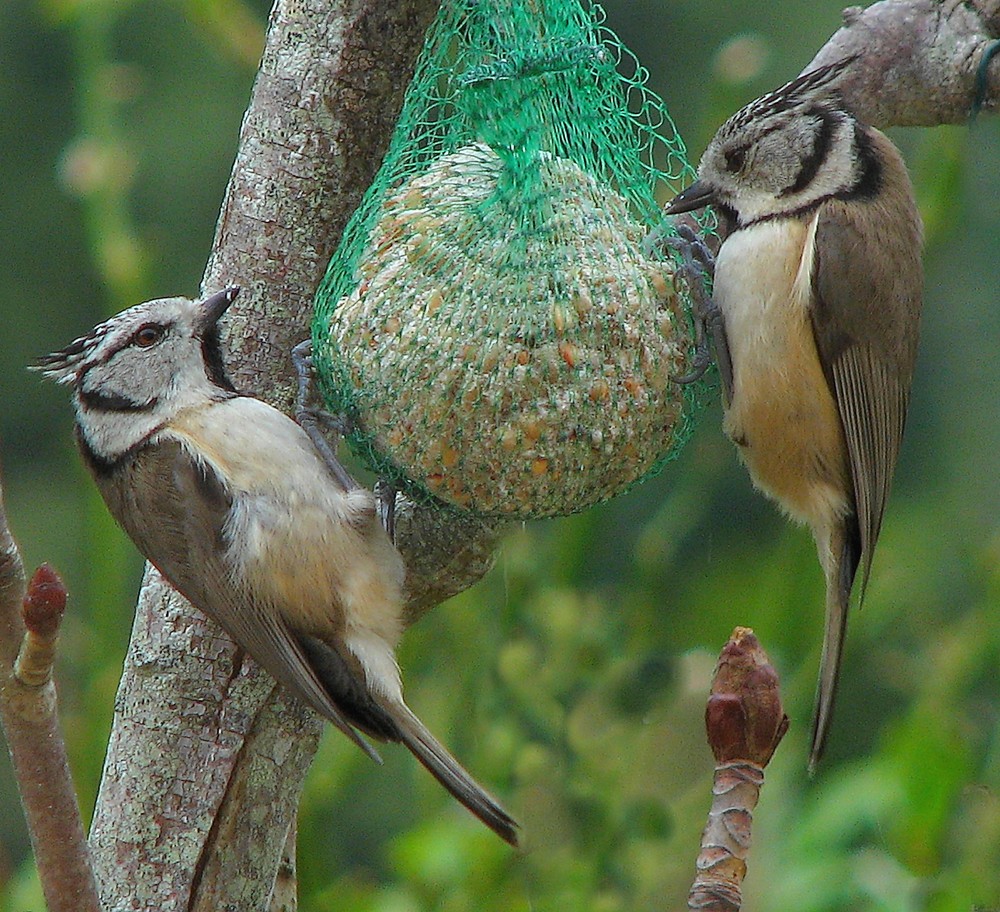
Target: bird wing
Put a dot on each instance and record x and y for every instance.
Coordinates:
(175, 509)
(865, 316)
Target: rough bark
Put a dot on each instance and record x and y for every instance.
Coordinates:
(918, 60)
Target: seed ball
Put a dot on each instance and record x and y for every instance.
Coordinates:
(510, 347)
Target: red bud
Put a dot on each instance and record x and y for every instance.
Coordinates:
(44, 602)
(744, 716)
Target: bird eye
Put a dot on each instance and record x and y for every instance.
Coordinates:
(735, 159)
(148, 335)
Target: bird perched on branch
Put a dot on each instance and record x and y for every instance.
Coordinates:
(819, 285)
(228, 498)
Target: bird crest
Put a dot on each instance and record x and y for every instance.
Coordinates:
(62, 365)
(807, 87)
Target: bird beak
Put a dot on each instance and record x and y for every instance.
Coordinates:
(214, 306)
(698, 195)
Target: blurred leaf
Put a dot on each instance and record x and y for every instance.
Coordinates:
(937, 166)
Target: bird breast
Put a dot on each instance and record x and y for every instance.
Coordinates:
(296, 539)
(782, 415)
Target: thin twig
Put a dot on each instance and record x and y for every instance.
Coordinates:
(29, 627)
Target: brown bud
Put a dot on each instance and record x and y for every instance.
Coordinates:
(744, 716)
(44, 602)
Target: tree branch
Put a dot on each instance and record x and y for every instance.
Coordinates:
(29, 627)
(919, 60)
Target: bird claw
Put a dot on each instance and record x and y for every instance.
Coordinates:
(313, 419)
(696, 266)
(385, 495)
(700, 362)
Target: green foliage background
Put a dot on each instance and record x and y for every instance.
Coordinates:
(573, 678)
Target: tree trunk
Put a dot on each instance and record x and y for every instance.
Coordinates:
(207, 756)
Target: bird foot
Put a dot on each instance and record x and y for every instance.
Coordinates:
(696, 266)
(313, 420)
(385, 495)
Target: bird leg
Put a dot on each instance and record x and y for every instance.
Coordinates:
(697, 266)
(312, 419)
(385, 494)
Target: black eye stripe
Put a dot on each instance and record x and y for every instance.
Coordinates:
(127, 342)
(822, 140)
(98, 401)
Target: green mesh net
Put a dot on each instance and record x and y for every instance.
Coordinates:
(491, 325)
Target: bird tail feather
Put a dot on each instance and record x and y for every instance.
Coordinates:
(829, 672)
(840, 573)
(450, 773)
